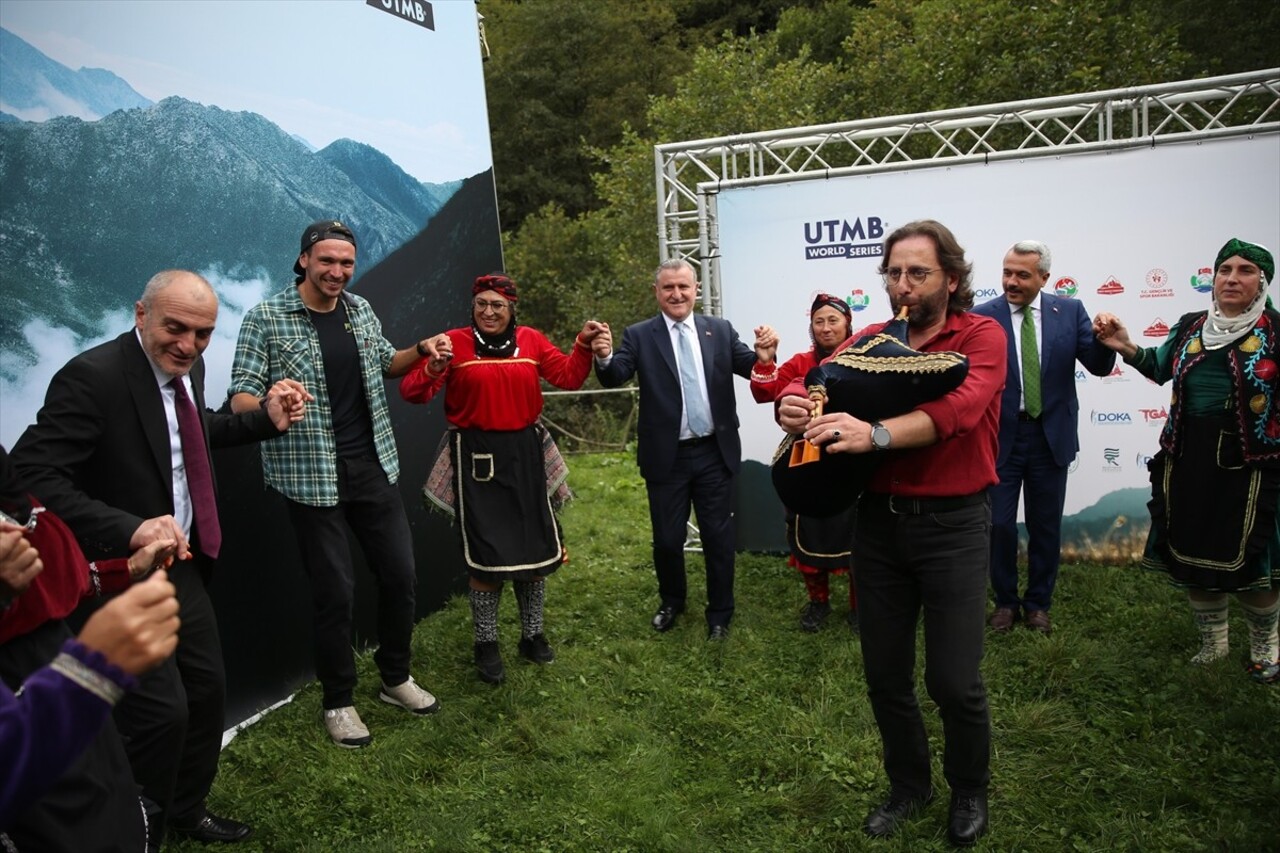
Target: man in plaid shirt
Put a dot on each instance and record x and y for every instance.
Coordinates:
(337, 468)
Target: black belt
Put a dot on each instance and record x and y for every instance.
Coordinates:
(1027, 419)
(902, 505)
(695, 441)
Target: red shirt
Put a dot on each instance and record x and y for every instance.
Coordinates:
(497, 393)
(796, 367)
(967, 420)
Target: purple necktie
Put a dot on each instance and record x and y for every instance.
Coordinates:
(199, 477)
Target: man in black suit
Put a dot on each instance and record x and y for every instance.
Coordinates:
(114, 453)
(1047, 334)
(689, 450)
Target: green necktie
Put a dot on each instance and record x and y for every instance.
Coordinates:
(1030, 364)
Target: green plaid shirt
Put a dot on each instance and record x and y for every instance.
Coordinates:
(277, 341)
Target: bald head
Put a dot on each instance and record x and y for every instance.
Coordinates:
(175, 318)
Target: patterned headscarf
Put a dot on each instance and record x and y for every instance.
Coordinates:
(502, 345)
(1220, 330)
(826, 300)
(496, 282)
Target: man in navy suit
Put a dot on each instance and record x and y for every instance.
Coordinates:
(689, 450)
(1038, 429)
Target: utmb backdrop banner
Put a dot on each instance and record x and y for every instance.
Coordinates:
(1133, 232)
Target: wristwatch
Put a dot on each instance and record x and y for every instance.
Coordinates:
(880, 436)
(422, 351)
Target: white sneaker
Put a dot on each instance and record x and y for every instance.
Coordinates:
(410, 696)
(346, 729)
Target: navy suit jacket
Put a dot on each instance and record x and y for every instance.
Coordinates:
(98, 454)
(646, 349)
(1066, 337)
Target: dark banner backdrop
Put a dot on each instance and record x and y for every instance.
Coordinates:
(138, 136)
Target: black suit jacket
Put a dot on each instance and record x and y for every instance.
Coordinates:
(98, 454)
(646, 348)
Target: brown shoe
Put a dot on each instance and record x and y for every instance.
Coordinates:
(1038, 620)
(1002, 619)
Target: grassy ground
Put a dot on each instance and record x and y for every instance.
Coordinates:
(1105, 738)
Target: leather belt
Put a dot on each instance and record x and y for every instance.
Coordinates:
(903, 505)
(695, 441)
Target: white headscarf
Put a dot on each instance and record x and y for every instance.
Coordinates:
(1220, 330)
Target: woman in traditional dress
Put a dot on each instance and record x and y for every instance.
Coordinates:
(819, 546)
(1215, 480)
(498, 469)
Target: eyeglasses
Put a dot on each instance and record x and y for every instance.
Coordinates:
(497, 306)
(915, 275)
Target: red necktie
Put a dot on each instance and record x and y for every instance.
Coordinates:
(199, 476)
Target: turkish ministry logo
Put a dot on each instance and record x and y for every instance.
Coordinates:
(1066, 287)
(858, 300)
(1158, 329)
(1157, 285)
(841, 238)
(1111, 287)
(1111, 456)
(1202, 281)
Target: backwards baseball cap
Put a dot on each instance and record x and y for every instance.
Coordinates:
(325, 229)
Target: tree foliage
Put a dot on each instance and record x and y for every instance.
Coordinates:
(592, 253)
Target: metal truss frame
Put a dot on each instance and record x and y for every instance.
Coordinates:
(689, 175)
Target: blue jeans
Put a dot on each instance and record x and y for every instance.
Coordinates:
(933, 564)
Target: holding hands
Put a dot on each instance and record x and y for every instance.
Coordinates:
(439, 353)
(766, 344)
(286, 403)
(19, 561)
(1112, 334)
(602, 340)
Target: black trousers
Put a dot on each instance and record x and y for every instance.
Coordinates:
(932, 565)
(95, 805)
(370, 507)
(172, 722)
(698, 479)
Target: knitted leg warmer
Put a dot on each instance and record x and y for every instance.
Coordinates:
(530, 596)
(1211, 619)
(484, 614)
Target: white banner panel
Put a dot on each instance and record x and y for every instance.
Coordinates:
(1132, 232)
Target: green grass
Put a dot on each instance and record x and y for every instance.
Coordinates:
(1104, 737)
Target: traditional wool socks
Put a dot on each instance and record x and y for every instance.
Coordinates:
(1264, 645)
(529, 597)
(484, 614)
(1211, 619)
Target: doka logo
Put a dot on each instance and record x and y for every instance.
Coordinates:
(1109, 418)
(1154, 416)
(1075, 465)
(1143, 460)
(1202, 281)
(1081, 376)
(1111, 455)
(1111, 287)
(1066, 287)
(858, 300)
(985, 293)
(841, 238)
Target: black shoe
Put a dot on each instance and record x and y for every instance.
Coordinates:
(718, 632)
(813, 615)
(665, 618)
(884, 821)
(536, 649)
(489, 663)
(212, 828)
(852, 618)
(967, 819)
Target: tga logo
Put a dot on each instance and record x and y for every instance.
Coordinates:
(1153, 416)
(985, 293)
(1111, 455)
(1202, 281)
(1109, 418)
(840, 238)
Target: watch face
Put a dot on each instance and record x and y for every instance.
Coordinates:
(880, 437)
